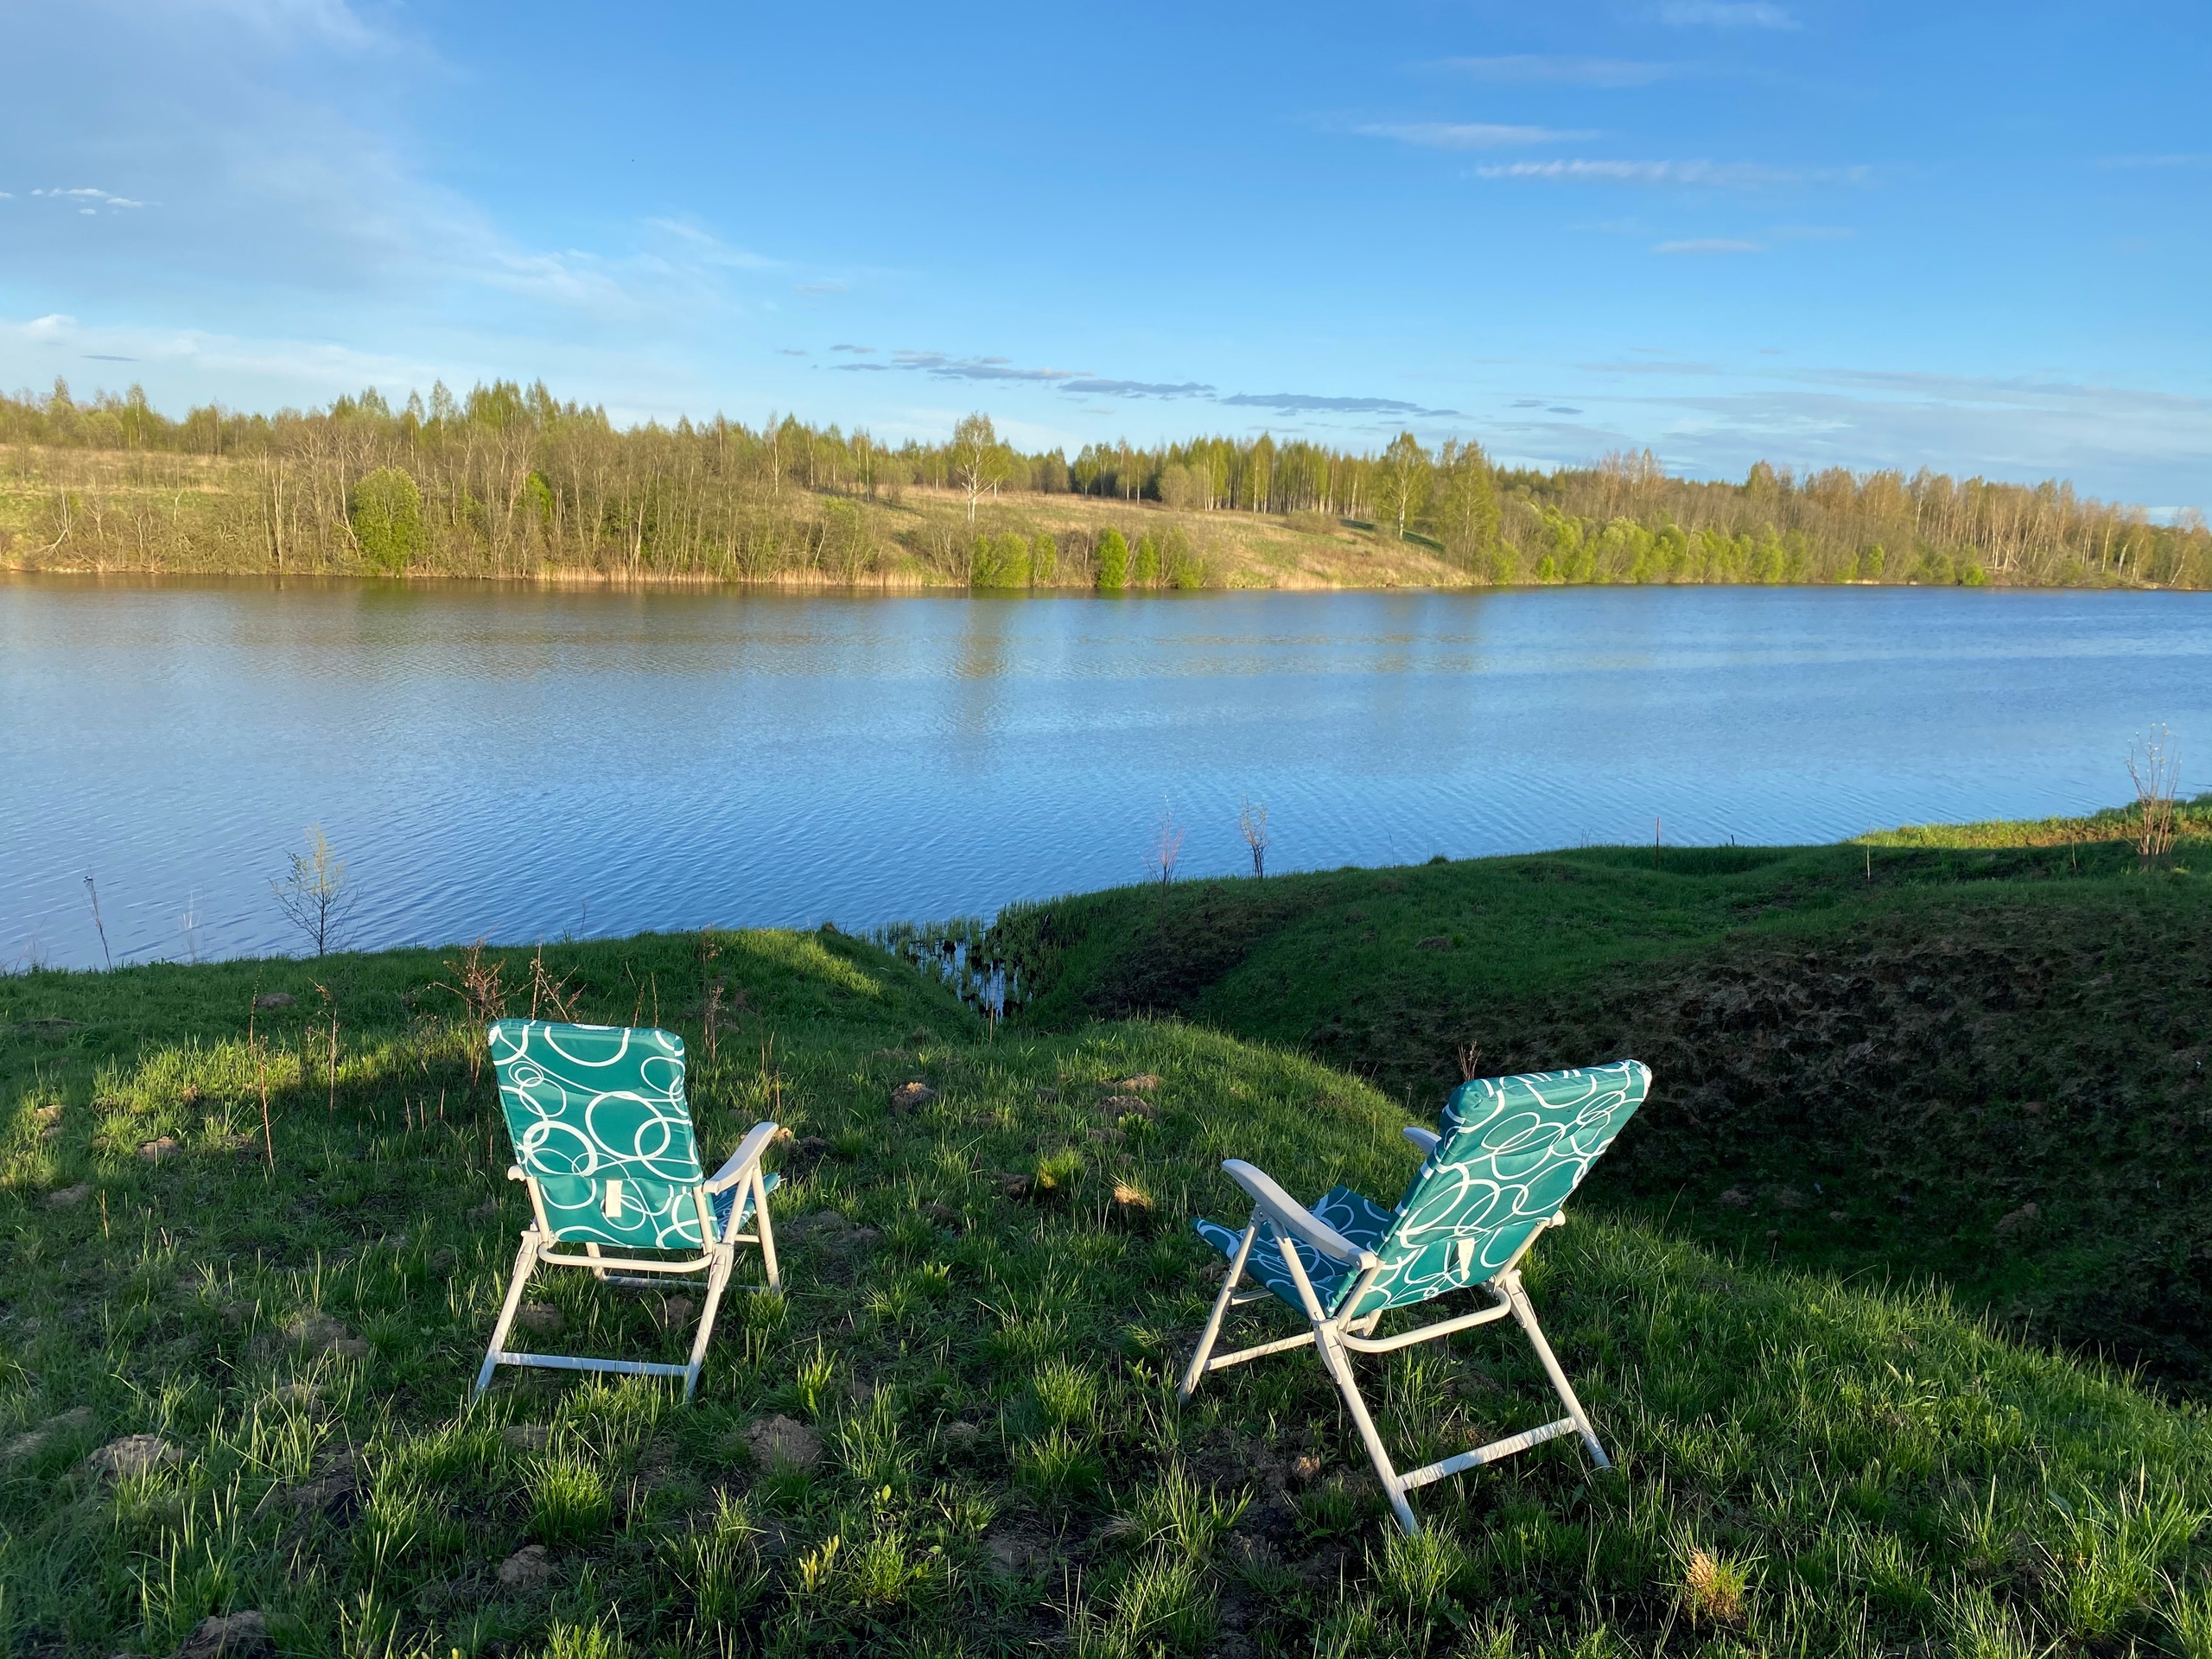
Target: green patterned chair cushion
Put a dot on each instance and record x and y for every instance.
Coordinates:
(1362, 1220)
(741, 1196)
(1513, 1148)
(598, 1119)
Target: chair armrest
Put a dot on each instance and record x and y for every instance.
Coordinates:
(747, 1154)
(1290, 1216)
(514, 1173)
(1424, 1139)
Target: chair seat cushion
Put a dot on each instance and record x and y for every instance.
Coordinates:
(1357, 1218)
(729, 1196)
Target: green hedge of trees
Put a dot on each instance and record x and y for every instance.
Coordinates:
(508, 480)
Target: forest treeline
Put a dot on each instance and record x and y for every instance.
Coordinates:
(509, 482)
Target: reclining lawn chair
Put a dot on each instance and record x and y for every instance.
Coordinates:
(603, 1141)
(1511, 1151)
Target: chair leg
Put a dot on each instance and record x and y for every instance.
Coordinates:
(1338, 1362)
(718, 1281)
(1524, 1313)
(525, 1263)
(767, 1230)
(1196, 1372)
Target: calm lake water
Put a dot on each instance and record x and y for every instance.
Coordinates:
(521, 764)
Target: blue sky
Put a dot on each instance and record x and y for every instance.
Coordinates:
(1976, 238)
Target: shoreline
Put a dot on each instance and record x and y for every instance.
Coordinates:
(918, 583)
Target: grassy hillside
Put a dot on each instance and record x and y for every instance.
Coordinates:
(1941, 1055)
(987, 1294)
(511, 482)
(95, 511)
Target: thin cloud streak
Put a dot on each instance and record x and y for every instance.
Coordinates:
(2189, 159)
(1467, 135)
(1725, 14)
(940, 366)
(1137, 389)
(1721, 175)
(1300, 402)
(1650, 365)
(1530, 70)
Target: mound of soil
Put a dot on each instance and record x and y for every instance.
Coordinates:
(2012, 1098)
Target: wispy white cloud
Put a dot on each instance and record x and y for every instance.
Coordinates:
(329, 23)
(710, 247)
(1467, 135)
(85, 194)
(1137, 389)
(1725, 14)
(1651, 363)
(2122, 441)
(819, 288)
(1711, 245)
(310, 371)
(1721, 175)
(942, 367)
(1527, 69)
(1302, 402)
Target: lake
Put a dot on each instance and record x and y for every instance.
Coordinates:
(522, 763)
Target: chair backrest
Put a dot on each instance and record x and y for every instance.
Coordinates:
(599, 1123)
(1513, 1148)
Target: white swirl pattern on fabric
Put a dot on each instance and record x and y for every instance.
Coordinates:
(599, 1121)
(1513, 1149)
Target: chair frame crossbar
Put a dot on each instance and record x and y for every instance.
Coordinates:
(540, 1248)
(1339, 1337)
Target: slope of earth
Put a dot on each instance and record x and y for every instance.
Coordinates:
(954, 1431)
(1984, 1064)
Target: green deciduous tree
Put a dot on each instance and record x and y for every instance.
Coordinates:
(1144, 571)
(387, 517)
(1113, 562)
(1402, 484)
(1185, 570)
(1000, 561)
(979, 460)
(1466, 504)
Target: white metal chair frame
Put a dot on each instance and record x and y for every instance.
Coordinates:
(717, 1261)
(1339, 1337)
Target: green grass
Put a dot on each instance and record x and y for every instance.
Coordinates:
(1806, 1465)
(1939, 1052)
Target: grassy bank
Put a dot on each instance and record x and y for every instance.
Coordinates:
(95, 512)
(1975, 1053)
(987, 1295)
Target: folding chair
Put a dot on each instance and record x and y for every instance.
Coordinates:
(1512, 1149)
(603, 1141)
